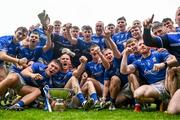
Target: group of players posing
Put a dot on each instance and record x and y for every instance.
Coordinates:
(103, 69)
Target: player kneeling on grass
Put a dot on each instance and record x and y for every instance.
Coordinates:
(29, 83)
(153, 66)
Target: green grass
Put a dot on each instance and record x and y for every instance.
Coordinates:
(72, 114)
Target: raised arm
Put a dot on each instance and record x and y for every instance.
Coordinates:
(147, 37)
(125, 68)
(105, 63)
(149, 40)
(78, 72)
(68, 35)
(49, 41)
(109, 42)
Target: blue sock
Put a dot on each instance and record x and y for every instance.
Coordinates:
(81, 98)
(20, 103)
(94, 96)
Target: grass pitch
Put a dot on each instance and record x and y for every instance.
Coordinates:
(74, 114)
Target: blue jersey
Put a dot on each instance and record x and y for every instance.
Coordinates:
(171, 42)
(85, 47)
(115, 71)
(145, 66)
(133, 57)
(120, 39)
(95, 70)
(60, 79)
(99, 40)
(30, 54)
(7, 45)
(38, 68)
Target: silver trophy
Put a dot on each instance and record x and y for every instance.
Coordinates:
(61, 96)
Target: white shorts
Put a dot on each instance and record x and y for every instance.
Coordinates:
(20, 83)
(160, 88)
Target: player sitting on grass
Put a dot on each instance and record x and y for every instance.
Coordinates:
(66, 78)
(29, 83)
(93, 85)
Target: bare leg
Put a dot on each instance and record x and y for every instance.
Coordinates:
(73, 84)
(9, 82)
(174, 106)
(3, 72)
(133, 80)
(178, 76)
(171, 82)
(88, 88)
(114, 86)
(96, 85)
(146, 93)
(29, 93)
